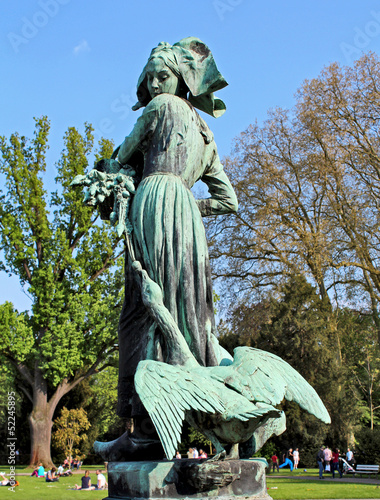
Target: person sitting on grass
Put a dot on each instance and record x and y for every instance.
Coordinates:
(60, 470)
(86, 482)
(50, 476)
(68, 472)
(40, 470)
(101, 481)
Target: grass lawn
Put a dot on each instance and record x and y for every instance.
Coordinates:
(296, 472)
(33, 488)
(284, 488)
(297, 489)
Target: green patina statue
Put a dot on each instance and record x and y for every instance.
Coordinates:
(171, 366)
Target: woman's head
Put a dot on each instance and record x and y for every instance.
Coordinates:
(163, 75)
(186, 69)
(160, 78)
(87, 473)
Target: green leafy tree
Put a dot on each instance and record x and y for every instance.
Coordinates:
(102, 404)
(197, 438)
(368, 445)
(69, 433)
(97, 395)
(68, 261)
(361, 355)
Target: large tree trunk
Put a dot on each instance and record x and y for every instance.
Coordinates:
(41, 421)
(41, 417)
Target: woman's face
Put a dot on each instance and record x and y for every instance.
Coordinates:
(160, 78)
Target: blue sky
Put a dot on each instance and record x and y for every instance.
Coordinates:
(79, 60)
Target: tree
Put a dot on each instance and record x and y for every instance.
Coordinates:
(69, 433)
(68, 260)
(97, 395)
(368, 445)
(361, 354)
(340, 111)
(297, 325)
(8, 386)
(102, 405)
(308, 184)
(199, 439)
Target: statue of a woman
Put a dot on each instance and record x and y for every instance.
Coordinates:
(177, 149)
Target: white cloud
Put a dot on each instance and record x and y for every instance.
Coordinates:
(83, 46)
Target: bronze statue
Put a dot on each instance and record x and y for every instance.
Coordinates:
(167, 341)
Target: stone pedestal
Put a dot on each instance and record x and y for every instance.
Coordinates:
(182, 479)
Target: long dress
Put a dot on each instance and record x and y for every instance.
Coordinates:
(169, 236)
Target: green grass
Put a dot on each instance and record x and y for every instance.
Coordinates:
(296, 472)
(33, 488)
(288, 489)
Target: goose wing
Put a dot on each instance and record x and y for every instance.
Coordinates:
(167, 392)
(262, 376)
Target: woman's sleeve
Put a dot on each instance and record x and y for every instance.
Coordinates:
(142, 130)
(222, 199)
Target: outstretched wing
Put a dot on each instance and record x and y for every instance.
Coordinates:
(262, 376)
(167, 391)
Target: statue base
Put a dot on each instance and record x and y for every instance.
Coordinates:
(188, 478)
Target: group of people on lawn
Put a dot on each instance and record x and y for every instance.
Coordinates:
(193, 453)
(101, 482)
(328, 461)
(53, 475)
(290, 458)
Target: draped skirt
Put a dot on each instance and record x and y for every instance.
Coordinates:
(170, 242)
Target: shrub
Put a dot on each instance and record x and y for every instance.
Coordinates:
(368, 446)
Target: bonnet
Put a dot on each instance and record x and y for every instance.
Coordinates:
(191, 59)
